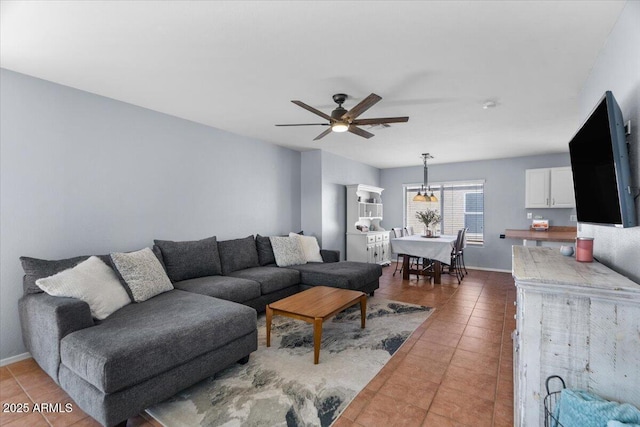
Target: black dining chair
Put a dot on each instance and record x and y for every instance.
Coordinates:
(422, 264)
(455, 264)
(398, 232)
(462, 248)
(401, 232)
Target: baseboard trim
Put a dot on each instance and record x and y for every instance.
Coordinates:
(497, 270)
(14, 359)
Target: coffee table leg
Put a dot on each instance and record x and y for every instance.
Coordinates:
(363, 310)
(317, 339)
(269, 315)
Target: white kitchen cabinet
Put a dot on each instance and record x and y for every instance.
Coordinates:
(562, 195)
(577, 320)
(549, 188)
(367, 241)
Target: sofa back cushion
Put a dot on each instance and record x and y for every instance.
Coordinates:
(265, 251)
(238, 254)
(35, 269)
(191, 259)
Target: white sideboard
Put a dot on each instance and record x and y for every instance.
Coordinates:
(365, 212)
(577, 320)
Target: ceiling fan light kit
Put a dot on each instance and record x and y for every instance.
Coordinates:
(339, 127)
(342, 120)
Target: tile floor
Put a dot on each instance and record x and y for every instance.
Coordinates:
(455, 370)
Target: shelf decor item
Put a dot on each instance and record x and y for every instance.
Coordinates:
(430, 217)
(566, 250)
(584, 249)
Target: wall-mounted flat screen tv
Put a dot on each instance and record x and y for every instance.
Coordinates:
(600, 166)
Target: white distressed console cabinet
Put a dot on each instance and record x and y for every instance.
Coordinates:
(577, 320)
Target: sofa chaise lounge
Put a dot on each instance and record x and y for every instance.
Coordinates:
(146, 352)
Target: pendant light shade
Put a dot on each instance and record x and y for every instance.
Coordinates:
(423, 195)
(419, 197)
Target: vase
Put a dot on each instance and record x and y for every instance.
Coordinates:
(427, 232)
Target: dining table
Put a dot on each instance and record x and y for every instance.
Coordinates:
(438, 249)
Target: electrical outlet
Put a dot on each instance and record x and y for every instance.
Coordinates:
(573, 218)
(529, 215)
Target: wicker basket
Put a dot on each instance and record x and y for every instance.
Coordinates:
(551, 401)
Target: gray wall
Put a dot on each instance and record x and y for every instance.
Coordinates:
(503, 200)
(84, 174)
(324, 176)
(336, 173)
(311, 197)
(618, 69)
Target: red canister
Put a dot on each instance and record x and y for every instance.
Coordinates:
(584, 249)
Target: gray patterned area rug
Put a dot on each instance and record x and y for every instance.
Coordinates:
(280, 386)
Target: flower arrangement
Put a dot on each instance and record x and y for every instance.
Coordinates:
(428, 218)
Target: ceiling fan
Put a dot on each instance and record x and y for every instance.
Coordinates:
(342, 120)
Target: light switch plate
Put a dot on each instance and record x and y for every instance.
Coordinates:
(529, 215)
(573, 218)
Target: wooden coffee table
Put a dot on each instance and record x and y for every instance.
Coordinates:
(314, 306)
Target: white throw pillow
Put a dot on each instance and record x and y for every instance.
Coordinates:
(310, 247)
(287, 251)
(143, 273)
(91, 281)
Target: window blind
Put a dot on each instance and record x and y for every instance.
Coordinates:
(461, 205)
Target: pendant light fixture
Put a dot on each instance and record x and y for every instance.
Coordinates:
(423, 195)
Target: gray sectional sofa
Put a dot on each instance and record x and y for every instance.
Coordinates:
(146, 352)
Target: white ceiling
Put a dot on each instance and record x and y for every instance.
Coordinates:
(236, 66)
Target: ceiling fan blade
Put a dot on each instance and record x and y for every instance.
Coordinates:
(313, 110)
(381, 120)
(363, 106)
(323, 134)
(306, 124)
(359, 132)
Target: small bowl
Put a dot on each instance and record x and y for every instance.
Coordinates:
(566, 250)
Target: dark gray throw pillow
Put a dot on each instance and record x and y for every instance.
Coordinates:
(265, 250)
(35, 269)
(238, 254)
(188, 260)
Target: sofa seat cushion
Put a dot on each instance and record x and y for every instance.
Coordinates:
(345, 274)
(271, 279)
(143, 340)
(226, 287)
